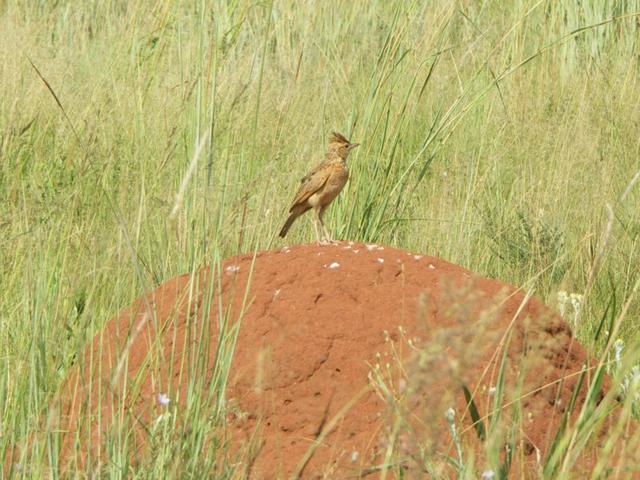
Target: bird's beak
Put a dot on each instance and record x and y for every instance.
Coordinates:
(353, 145)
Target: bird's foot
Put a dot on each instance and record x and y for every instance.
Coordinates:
(327, 241)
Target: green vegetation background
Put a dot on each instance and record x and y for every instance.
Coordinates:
(501, 136)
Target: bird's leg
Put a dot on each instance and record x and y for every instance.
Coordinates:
(325, 231)
(315, 225)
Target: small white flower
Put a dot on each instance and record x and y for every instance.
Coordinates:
(450, 415)
(163, 399)
(618, 347)
(576, 302)
(563, 298)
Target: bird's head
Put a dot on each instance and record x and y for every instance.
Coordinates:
(339, 145)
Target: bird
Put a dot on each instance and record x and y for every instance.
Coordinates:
(321, 186)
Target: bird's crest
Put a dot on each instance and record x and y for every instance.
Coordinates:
(338, 138)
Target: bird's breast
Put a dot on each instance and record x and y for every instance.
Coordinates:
(334, 185)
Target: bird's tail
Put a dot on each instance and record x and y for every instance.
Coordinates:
(288, 223)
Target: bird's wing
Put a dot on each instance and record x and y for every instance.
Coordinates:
(310, 184)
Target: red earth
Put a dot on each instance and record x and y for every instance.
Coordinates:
(345, 354)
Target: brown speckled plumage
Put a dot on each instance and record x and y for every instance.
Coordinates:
(322, 185)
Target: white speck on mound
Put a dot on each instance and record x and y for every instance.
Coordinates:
(417, 257)
(371, 247)
(276, 293)
(347, 247)
(354, 456)
(379, 248)
(351, 244)
(333, 266)
(432, 266)
(285, 249)
(355, 251)
(232, 269)
(380, 260)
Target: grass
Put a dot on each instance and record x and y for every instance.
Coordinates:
(141, 140)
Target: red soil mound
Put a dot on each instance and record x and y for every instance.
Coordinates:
(329, 338)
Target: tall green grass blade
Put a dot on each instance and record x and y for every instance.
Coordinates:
(478, 424)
